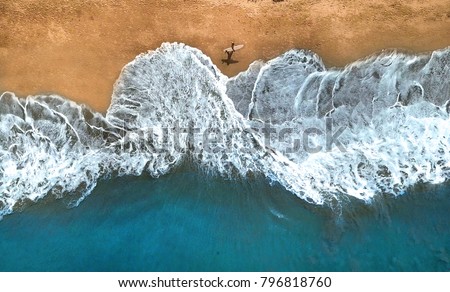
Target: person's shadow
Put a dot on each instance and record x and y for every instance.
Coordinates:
(228, 60)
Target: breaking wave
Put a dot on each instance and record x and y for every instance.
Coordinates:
(379, 125)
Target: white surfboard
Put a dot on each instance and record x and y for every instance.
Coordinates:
(236, 47)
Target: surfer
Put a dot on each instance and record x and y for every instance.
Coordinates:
(229, 51)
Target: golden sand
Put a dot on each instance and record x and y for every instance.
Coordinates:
(77, 48)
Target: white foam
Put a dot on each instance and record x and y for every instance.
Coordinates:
(392, 105)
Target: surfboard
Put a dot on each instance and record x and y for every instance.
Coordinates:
(236, 47)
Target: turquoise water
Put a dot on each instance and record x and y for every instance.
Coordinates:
(382, 124)
(187, 222)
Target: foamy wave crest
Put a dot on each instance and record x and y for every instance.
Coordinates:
(377, 126)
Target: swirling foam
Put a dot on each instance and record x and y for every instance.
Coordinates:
(392, 109)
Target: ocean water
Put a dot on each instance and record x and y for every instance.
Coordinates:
(289, 165)
(184, 222)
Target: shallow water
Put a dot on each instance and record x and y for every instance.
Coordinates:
(379, 125)
(184, 222)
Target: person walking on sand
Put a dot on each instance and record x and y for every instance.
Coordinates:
(230, 51)
(229, 54)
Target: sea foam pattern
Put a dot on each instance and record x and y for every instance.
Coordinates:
(391, 110)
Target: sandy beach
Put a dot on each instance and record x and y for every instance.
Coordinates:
(77, 48)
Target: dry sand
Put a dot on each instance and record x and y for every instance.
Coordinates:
(77, 48)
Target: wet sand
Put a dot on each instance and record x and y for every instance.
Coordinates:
(77, 48)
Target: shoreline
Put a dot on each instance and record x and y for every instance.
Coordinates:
(78, 49)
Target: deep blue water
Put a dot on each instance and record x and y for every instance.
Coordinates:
(187, 222)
